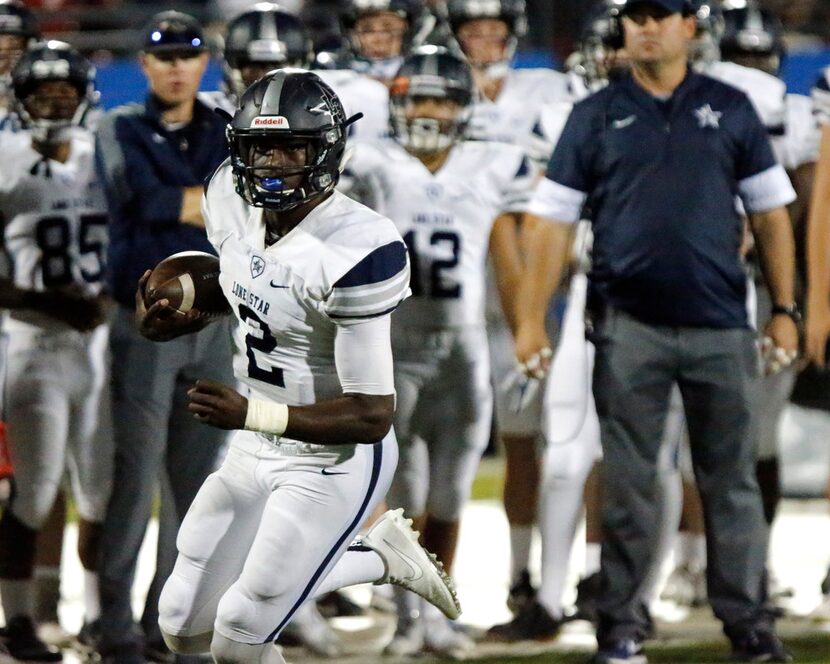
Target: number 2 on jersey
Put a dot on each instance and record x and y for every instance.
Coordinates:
(440, 285)
(264, 343)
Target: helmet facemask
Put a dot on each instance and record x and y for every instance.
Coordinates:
(282, 170)
(485, 33)
(423, 133)
(379, 59)
(51, 110)
(705, 48)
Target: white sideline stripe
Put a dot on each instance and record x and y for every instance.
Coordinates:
(188, 292)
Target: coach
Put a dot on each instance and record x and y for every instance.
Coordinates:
(659, 158)
(153, 158)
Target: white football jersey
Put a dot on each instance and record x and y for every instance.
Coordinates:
(445, 219)
(766, 92)
(821, 97)
(342, 264)
(54, 218)
(360, 94)
(514, 116)
(801, 142)
(214, 99)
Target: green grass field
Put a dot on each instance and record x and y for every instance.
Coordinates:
(813, 649)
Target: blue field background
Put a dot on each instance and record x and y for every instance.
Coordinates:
(121, 81)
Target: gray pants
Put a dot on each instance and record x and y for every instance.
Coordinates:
(717, 373)
(156, 441)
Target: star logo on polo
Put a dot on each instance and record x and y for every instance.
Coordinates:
(257, 266)
(707, 117)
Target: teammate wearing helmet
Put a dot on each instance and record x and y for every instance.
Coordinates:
(55, 230)
(18, 29)
(752, 37)
(380, 33)
(766, 91)
(510, 109)
(451, 199)
(311, 278)
(262, 39)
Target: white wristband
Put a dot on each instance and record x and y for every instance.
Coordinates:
(266, 417)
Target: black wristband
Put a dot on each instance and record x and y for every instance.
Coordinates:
(790, 310)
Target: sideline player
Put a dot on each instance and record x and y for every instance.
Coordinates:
(312, 278)
(55, 220)
(451, 199)
(18, 30)
(379, 34)
(510, 110)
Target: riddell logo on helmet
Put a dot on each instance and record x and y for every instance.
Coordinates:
(275, 121)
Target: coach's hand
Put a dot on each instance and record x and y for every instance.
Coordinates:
(217, 404)
(779, 348)
(160, 321)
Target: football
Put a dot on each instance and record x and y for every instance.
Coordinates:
(189, 280)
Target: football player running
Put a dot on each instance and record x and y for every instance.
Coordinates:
(450, 198)
(510, 109)
(55, 231)
(311, 277)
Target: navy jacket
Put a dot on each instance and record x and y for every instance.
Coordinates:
(143, 167)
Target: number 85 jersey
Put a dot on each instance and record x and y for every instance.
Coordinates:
(54, 218)
(341, 265)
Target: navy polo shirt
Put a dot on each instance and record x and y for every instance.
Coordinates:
(661, 179)
(144, 166)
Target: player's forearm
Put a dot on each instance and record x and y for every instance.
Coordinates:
(352, 418)
(818, 233)
(14, 297)
(547, 247)
(192, 207)
(507, 264)
(776, 252)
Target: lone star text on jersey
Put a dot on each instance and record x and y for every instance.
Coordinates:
(254, 301)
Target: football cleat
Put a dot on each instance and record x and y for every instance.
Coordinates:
(587, 594)
(22, 642)
(408, 639)
(686, 586)
(408, 565)
(521, 594)
(314, 632)
(624, 651)
(533, 623)
(443, 638)
(759, 645)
